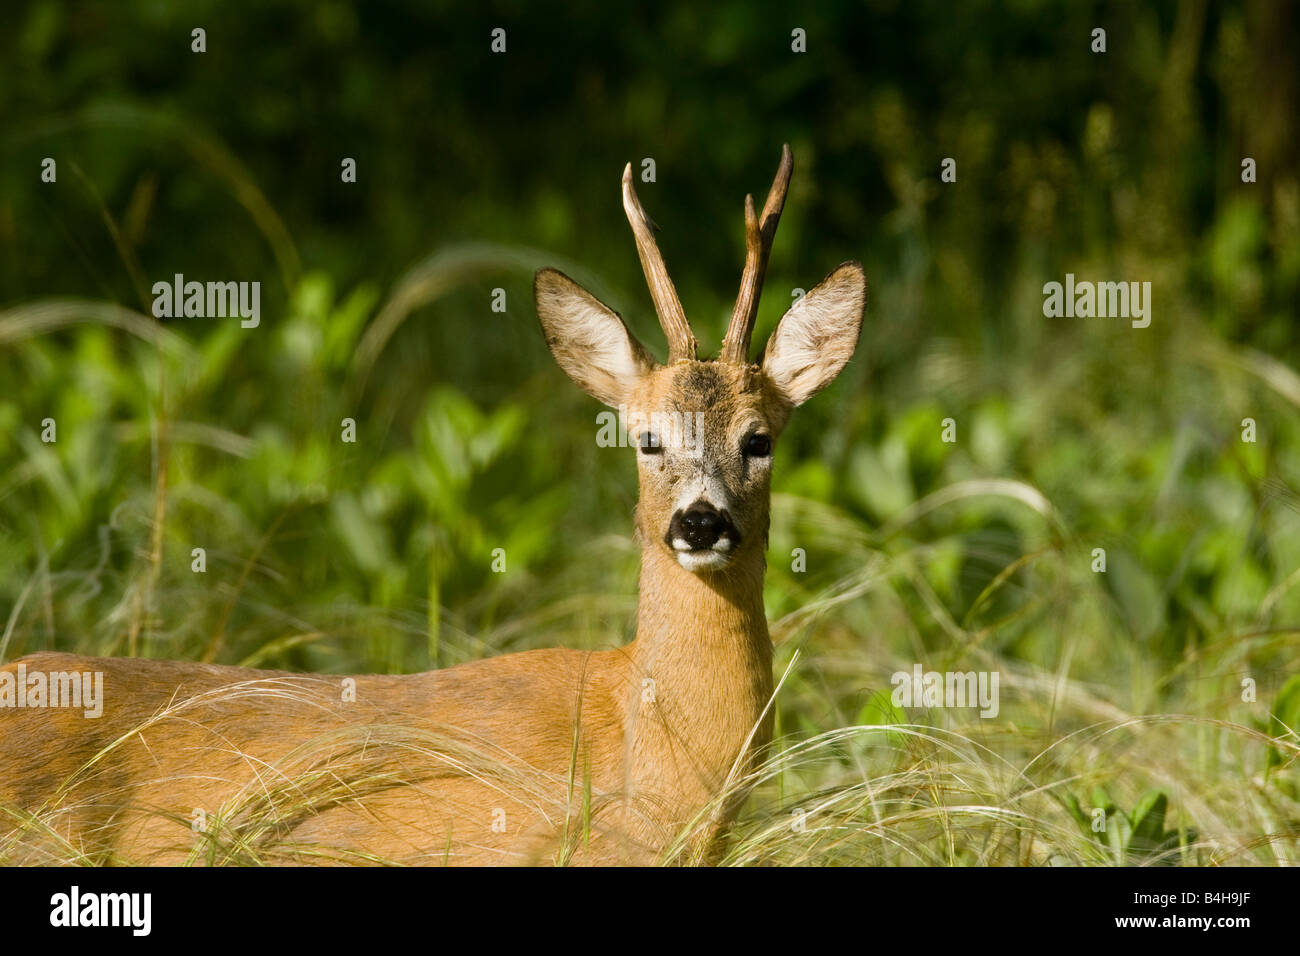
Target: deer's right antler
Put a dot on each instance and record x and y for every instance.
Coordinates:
(681, 342)
(758, 245)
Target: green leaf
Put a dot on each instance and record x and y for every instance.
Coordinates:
(1100, 798)
(1149, 823)
(1118, 833)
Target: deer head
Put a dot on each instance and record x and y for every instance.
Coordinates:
(705, 431)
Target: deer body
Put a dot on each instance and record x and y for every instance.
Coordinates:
(661, 724)
(629, 755)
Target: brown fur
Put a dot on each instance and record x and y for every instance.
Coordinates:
(175, 737)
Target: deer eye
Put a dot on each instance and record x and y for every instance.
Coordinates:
(758, 446)
(649, 444)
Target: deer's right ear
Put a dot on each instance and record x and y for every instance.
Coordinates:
(588, 339)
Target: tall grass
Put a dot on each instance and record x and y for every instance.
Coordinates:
(1162, 673)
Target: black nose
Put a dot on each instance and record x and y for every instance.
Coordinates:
(700, 526)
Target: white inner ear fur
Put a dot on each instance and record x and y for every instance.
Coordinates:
(588, 339)
(815, 339)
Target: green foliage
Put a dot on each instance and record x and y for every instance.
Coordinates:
(1132, 838)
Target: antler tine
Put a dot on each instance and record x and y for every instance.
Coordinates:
(758, 245)
(681, 343)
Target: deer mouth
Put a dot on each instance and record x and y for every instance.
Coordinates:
(704, 559)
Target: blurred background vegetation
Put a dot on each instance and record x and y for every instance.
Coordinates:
(474, 169)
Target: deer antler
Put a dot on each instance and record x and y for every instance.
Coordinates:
(681, 343)
(758, 245)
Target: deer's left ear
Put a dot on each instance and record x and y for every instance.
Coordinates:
(588, 339)
(816, 338)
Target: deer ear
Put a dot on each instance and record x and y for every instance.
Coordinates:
(588, 339)
(816, 338)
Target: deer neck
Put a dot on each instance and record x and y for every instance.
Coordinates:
(702, 644)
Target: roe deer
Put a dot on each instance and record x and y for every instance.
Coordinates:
(621, 755)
